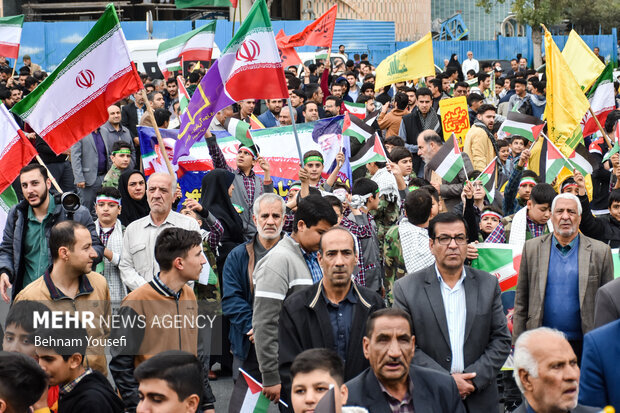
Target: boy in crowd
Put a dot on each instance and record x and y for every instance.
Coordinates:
(365, 198)
(519, 186)
(21, 383)
(506, 166)
(170, 382)
(314, 164)
(392, 142)
(121, 158)
(81, 389)
(489, 220)
(517, 145)
(313, 373)
(110, 231)
(404, 160)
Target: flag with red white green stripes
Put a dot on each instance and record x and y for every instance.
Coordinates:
(372, 151)
(240, 130)
(357, 128)
(487, 177)
(10, 35)
(247, 396)
(356, 109)
(448, 161)
(194, 45)
(183, 95)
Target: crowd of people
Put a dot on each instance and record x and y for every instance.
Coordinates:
(363, 286)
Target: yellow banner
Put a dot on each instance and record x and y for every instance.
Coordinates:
(454, 118)
(409, 63)
(583, 62)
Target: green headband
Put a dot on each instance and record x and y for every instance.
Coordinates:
(122, 150)
(313, 159)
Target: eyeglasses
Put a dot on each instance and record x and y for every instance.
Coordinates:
(446, 239)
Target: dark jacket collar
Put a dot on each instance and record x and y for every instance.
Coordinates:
(85, 287)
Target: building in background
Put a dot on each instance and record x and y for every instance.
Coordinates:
(481, 25)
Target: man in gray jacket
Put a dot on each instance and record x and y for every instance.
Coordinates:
(288, 266)
(24, 252)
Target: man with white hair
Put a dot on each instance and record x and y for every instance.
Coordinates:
(470, 63)
(559, 276)
(285, 116)
(238, 295)
(547, 373)
(138, 265)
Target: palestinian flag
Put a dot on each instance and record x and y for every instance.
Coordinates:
(602, 101)
(612, 152)
(8, 199)
(546, 160)
(10, 35)
(372, 151)
(183, 95)
(321, 54)
(240, 130)
(16, 151)
(487, 177)
(356, 109)
(194, 45)
(72, 102)
(503, 261)
(247, 396)
(519, 124)
(581, 161)
(448, 161)
(184, 4)
(355, 127)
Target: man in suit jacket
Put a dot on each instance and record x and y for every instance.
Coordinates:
(546, 372)
(89, 161)
(458, 321)
(113, 131)
(599, 384)
(331, 313)
(131, 114)
(607, 303)
(391, 380)
(429, 143)
(559, 276)
(269, 118)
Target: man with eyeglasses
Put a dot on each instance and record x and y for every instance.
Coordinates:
(458, 321)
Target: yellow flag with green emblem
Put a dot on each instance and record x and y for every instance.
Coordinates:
(583, 62)
(412, 62)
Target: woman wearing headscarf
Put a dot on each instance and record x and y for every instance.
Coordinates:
(132, 185)
(456, 65)
(216, 189)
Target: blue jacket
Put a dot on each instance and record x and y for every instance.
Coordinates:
(599, 385)
(11, 255)
(268, 119)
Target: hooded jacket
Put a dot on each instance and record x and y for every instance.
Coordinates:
(93, 394)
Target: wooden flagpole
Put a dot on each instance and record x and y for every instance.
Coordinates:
(160, 141)
(49, 174)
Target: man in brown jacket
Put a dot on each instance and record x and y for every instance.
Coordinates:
(70, 285)
(390, 121)
(162, 314)
(479, 142)
(559, 276)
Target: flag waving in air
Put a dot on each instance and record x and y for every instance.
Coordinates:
(73, 101)
(602, 101)
(194, 45)
(411, 62)
(547, 160)
(318, 33)
(183, 95)
(448, 160)
(249, 68)
(15, 149)
(372, 151)
(356, 128)
(487, 177)
(10, 35)
(355, 109)
(517, 123)
(247, 396)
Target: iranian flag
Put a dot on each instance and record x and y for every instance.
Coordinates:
(8, 199)
(249, 68)
(356, 128)
(15, 149)
(487, 177)
(183, 95)
(524, 125)
(503, 261)
(602, 101)
(356, 109)
(247, 396)
(448, 161)
(73, 100)
(194, 45)
(10, 35)
(372, 151)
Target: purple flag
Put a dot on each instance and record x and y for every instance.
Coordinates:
(208, 98)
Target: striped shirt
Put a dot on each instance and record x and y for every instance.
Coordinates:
(456, 311)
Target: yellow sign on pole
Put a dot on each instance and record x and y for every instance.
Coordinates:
(454, 118)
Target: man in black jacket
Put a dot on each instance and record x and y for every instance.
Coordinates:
(391, 382)
(131, 114)
(331, 313)
(422, 117)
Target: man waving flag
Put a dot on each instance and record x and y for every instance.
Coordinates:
(249, 68)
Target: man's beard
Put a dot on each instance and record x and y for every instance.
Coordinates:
(42, 199)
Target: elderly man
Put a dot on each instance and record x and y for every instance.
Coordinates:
(238, 292)
(429, 142)
(457, 314)
(138, 265)
(285, 116)
(113, 131)
(392, 384)
(559, 276)
(546, 371)
(470, 63)
(331, 313)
